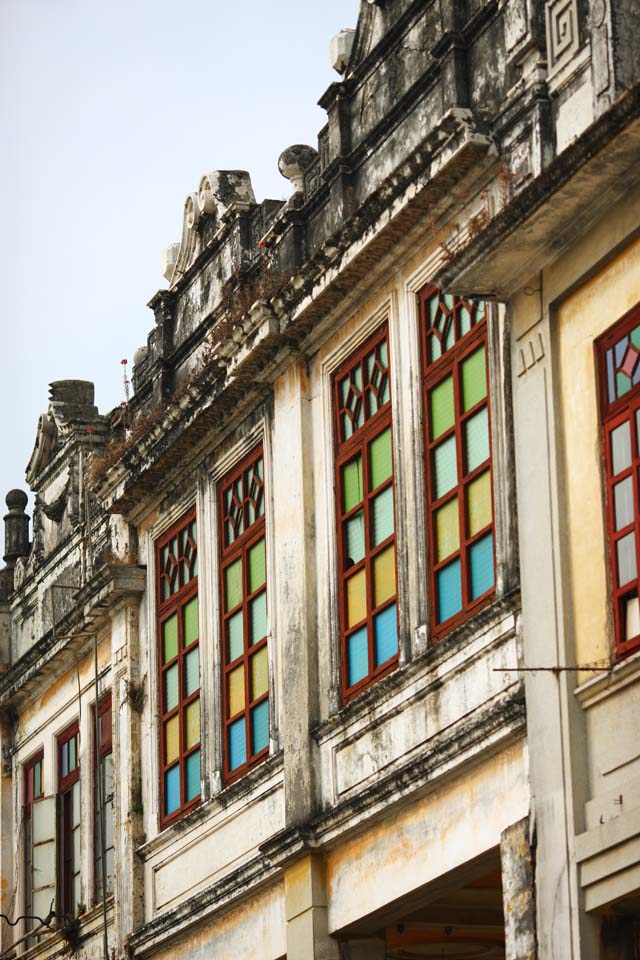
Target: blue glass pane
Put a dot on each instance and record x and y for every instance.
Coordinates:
(237, 744)
(386, 634)
(449, 591)
(260, 726)
(172, 789)
(357, 656)
(192, 773)
(481, 561)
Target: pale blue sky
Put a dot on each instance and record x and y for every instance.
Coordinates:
(110, 114)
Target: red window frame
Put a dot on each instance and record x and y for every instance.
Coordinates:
(102, 749)
(241, 528)
(453, 328)
(359, 394)
(618, 351)
(30, 795)
(176, 587)
(69, 757)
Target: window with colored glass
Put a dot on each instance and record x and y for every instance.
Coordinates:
(179, 657)
(245, 658)
(103, 832)
(619, 368)
(69, 821)
(33, 790)
(366, 516)
(458, 455)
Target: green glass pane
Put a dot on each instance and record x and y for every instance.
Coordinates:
(191, 672)
(635, 337)
(352, 492)
(623, 384)
(170, 638)
(435, 350)
(465, 320)
(190, 622)
(235, 635)
(445, 466)
(72, 754)
(233, 584)
(257, 566)
(380, 461)
(442, 408)
(354, 545)
(382, 516)
(476, 438)
(171, 688)
(37, 779)
(258, 617)
(474, 379)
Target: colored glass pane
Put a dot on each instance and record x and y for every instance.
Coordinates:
(235, 687)
(191, 672)
(190, 622)
(445, 466)
(449, 591)
(172, 739)
(382, 516)
(474, 379)
(170, 638)
(354, 546)
(237, 744)
(384, 576)
(356, 598)
(621, 447)
(476, 438)
(442, 407)
(172, 790)
(235, 635)
(37, 779)
(192, 775)
(64, 759)
(623, 383)
(357, 656)
(447, 529)
(623, 500)
(72, 754)
(171, 688)
(233, 584)
(192, 724)
(259, 673)
(630, 361)
(352, 489)
(627, 566)
(631, 618)
(479, 506)
(481, 563)
(258, 617)
(385, 628)
(257, 566)
(380, 462)
(433, 348)
(260, 727)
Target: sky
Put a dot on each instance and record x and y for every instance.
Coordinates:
(109, 115)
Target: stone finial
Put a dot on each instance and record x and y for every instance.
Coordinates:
(340, 50)
(168, 260)
(16, 527)
(294, 162)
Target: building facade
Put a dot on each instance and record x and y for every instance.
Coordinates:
(327, 644)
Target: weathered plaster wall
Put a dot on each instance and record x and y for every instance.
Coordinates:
(443, 830)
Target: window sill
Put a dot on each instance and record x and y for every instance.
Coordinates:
(253, 785)
(54, 944)
(608, 683)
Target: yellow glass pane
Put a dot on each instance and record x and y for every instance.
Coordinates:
(356, 598)
(172, 739)
(236, 690)
(384, 575)
(447, 529)
(259, 673)
(192, 724)
(479, 503)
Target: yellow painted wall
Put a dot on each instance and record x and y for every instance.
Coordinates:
(587, 313)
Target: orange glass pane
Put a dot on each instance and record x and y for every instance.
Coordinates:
(236, 690)
(192, 724)
(172, 739)
(356, 598)
(384, 575)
